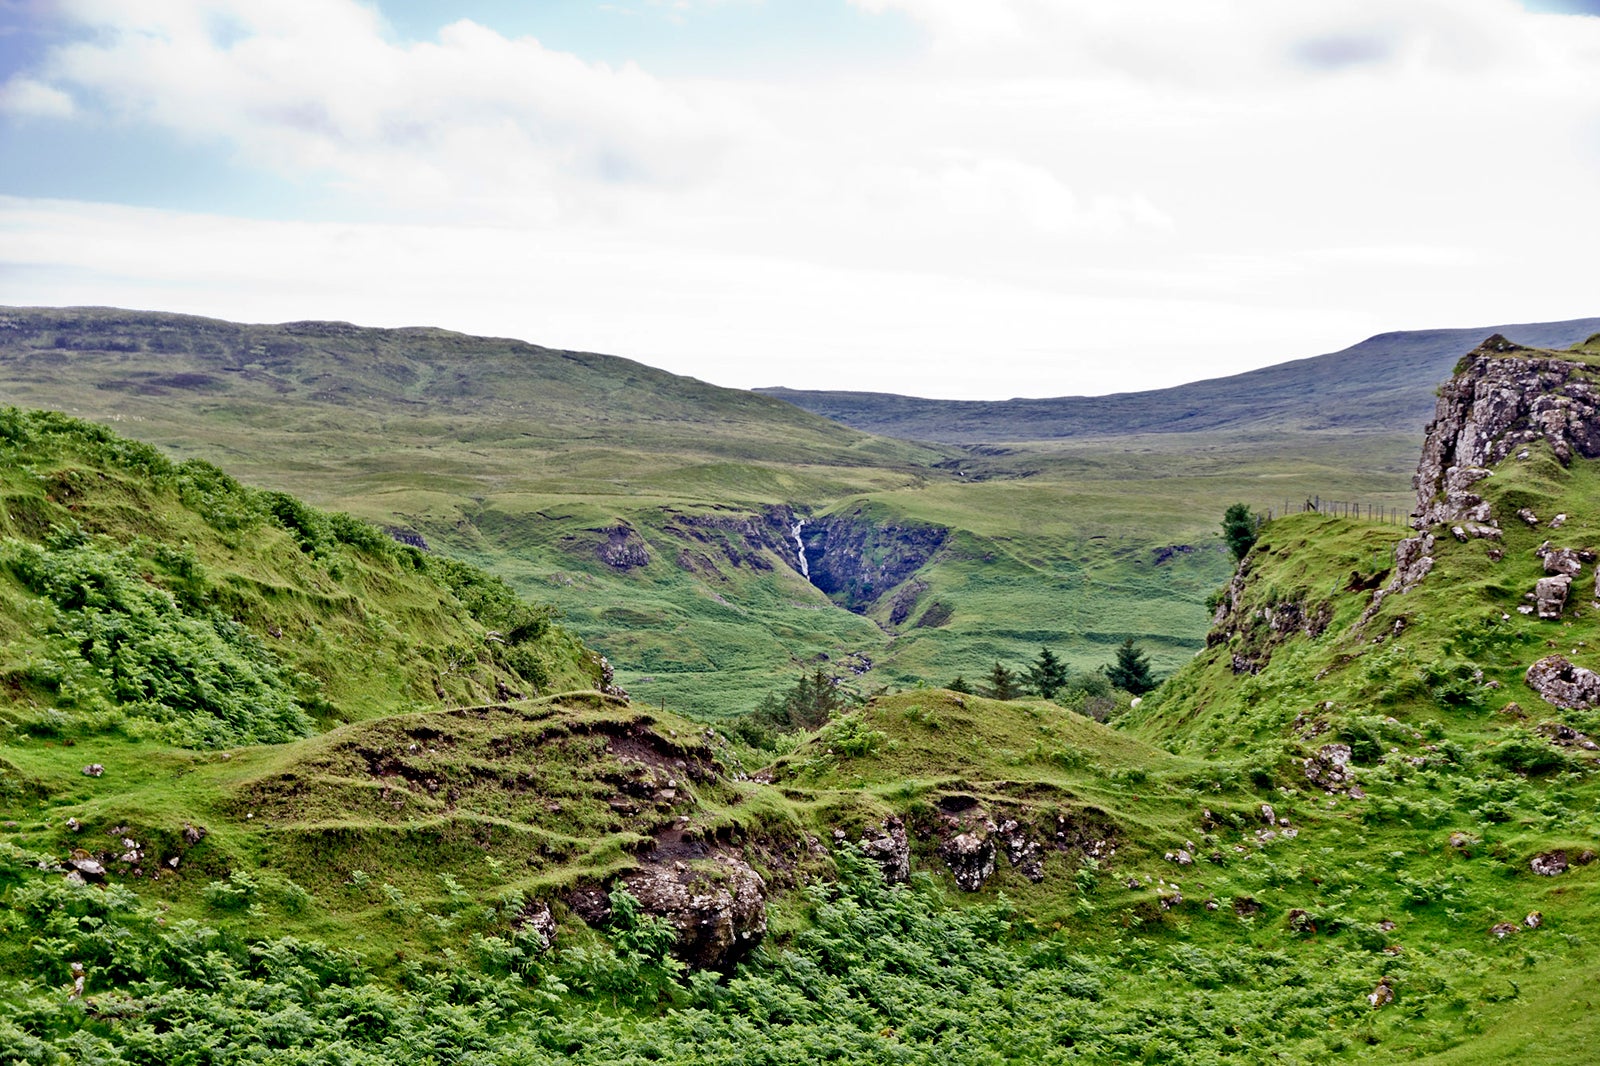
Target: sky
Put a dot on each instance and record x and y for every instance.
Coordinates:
(955, 198)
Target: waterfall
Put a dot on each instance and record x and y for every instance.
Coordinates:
(800, 547)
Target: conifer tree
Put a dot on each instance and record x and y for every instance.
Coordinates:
(960, 685)
(1003, 683)
(1047, 674)
(1131, 671)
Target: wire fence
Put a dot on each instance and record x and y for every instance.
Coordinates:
(1356, 509)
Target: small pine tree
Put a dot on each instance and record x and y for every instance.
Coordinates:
(1003, 683)
(960, 685)
(1047, 674)
(1131, 671)
(1239, 529)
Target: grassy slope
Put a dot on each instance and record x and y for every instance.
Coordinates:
(114, 556)
(1430, 694)
(517, 458)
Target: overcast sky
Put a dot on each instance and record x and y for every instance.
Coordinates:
(958, 198)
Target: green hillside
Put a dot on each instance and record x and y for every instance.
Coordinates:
(657, 513)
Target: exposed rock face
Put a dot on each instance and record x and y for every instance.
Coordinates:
(1496, 403)
(1024, 852)
(405, 535)
(1501, 399)
(890, 849)
(622, 548)
(1258, 630)
(740, 541)
(1413, 559)
(1563, 684)
(721, 914)
(905, 601)
(856, 560)
(970, 858)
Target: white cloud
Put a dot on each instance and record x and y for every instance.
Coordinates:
(1050, 182)
(32, 99)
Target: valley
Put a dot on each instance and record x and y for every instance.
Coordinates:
(288, 784)
(656, 512)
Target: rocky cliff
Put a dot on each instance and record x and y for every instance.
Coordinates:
(1502, 399)
(1504, 402)
(856, 560)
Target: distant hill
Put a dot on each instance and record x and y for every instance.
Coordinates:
(1385, 383)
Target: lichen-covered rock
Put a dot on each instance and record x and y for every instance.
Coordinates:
(1499, 401)
(1564, 736)
(1329, 769)
(1561, 683)
(720, 911)
(1560, 560)
(1024, 852)
(1549, 864)
(970, 858)
(1550, 595)
(890, 849)
(87, 867)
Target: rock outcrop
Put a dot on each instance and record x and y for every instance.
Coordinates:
(720, 909)
(970, 858)
(1502, 398)
(890, 848)
(1563, 684)
(621, 548)
(1329, 769)
(738, 541)
(857, 560)
(1550, 595)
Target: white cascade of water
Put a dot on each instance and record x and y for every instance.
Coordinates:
(800, 547)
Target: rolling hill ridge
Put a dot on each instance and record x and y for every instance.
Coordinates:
(1383, 384)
